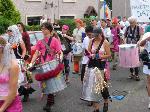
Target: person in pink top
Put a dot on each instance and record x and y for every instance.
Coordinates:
(115, 30)
(48, 55)
(9, 72)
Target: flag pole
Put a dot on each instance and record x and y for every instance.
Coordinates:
(99, 6)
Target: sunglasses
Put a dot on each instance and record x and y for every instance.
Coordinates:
(9, 30)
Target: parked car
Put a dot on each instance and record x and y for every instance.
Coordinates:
(34, 37)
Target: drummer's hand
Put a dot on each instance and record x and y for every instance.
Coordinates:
(22, 56)
(92, 56)
(30, 65)
(138, 44)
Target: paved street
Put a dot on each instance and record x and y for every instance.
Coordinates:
(69, 99)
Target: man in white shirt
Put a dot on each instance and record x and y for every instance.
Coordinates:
(43, 20)
(85, 44)
(106, 30)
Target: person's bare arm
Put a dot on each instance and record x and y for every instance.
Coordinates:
(22, 45)
(107, 50)
(36, 54)
(13, 83)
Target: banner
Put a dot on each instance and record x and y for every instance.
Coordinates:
(141, 10)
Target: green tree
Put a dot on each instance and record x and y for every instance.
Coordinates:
(4, 23)
(9, 11)
(109, 3)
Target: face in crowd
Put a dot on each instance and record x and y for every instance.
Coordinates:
(93, 22)
(46, 28)
(103, 23)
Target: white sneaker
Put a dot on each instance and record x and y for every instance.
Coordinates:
(149, 106)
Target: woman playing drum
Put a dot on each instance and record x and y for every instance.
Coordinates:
(48, 49)
(99, 50)
(132, 35)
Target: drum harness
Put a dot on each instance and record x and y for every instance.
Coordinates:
(47, 47)
(133, 34)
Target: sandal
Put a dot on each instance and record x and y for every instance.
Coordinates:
(137, 78)
(131, 76)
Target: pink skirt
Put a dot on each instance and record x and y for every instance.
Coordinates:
(16, 105)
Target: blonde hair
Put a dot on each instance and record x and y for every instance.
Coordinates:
(132, 19)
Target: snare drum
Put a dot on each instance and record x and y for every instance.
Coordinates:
(77, 49)
(52, 85)
(129, 56)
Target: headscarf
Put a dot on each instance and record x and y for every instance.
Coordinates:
(115, 20)
(16, 37)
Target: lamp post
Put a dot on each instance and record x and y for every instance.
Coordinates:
(53, 6)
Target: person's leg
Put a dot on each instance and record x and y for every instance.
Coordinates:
(115, 60)
(131, 76)
(67, 69)
(96, 106)
(105, 95)
(50, 102)
(137, 78)
(83, 72)
(148, 89)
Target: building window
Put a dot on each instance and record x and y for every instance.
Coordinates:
(69, 1)
(33, 20)
(67, 17)
(33, 0)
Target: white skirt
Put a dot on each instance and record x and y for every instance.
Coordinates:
(146, 70)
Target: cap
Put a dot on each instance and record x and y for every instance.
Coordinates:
(93, 18)
(115, 20)
(65, 27)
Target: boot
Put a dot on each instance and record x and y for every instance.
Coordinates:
(96, 110)
(47, 108)
(25, 98)
(105, 107)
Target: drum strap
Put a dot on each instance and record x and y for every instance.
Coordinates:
(99, 47)
(47, 45)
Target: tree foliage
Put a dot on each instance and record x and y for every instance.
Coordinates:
(9, 11)
(109, 3)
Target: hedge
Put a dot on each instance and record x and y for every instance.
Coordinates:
(4, 23)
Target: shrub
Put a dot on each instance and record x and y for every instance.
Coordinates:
(8, 10)
(4, 23)
(69, 22)
(33, 28)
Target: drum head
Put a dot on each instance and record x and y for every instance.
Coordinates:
(127, 45)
